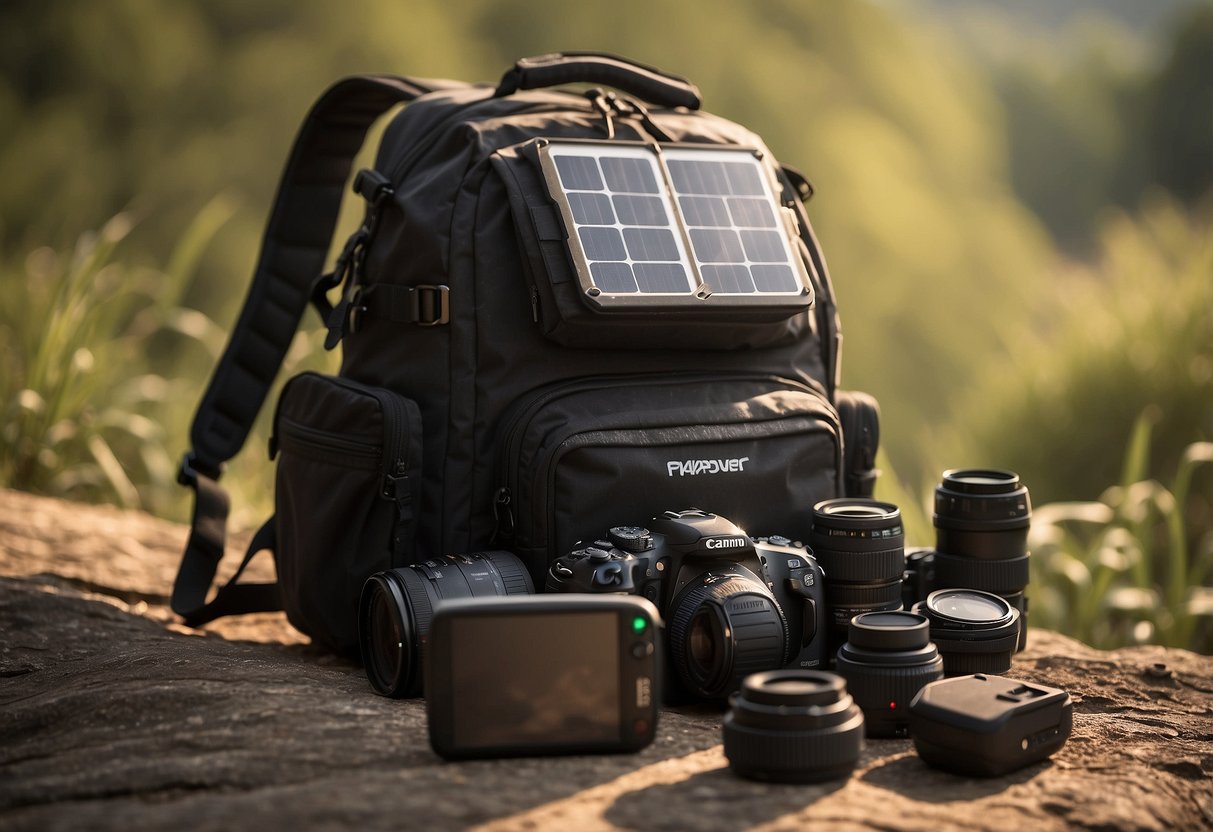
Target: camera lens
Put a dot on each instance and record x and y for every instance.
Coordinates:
(859, 544)
(397, 606)
(982, 516)
(976, 632)
(793, 726)
(725, 625)
(887, 659)
(982, 513)
(916, 578)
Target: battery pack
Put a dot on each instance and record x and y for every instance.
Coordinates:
(986, 726)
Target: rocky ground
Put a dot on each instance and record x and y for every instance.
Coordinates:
(113, 716)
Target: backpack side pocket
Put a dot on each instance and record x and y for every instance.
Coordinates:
(346, 490)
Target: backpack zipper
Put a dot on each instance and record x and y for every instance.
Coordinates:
(505, 522)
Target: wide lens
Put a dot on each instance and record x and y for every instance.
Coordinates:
(887, 659)
(793, 726)
(397, 606)
(859, 544)
(982, 517)
(725, 625)
(976, 632)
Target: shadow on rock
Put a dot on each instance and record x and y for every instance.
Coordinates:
(910, 777)
(714, 799)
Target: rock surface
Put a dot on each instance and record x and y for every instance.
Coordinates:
(113, 716)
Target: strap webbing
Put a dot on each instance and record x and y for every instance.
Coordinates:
(292, 257)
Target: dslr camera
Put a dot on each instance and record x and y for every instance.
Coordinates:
(733, 605)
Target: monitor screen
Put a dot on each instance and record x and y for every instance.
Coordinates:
(536, 677)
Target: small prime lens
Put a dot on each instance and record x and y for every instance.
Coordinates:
(725, 625)
(859, 544)
(975, 631)
(982, 517)
(793, 726)
(397, 606)
(887, 659)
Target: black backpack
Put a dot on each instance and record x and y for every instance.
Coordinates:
(565, 310)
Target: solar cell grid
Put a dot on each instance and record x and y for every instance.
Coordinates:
(630, 215)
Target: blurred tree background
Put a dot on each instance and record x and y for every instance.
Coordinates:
(1013, 198)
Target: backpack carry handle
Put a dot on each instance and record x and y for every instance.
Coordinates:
(559, 68)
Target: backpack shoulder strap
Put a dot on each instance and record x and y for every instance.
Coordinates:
(293, 252)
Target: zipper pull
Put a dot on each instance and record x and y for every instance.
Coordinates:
(396, 487)
(535, 304)
(503, 516)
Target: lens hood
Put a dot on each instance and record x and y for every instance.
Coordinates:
(723, 626)
(793, 726)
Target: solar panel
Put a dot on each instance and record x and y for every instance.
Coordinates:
(679, 222)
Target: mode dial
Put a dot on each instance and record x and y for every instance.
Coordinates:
(631, 538)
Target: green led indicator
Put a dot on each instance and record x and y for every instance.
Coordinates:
(639, 624)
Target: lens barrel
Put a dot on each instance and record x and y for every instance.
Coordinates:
(982, 517)
(887, 659)
(859, 544)
(397, 607)
(724, 626)
(793, 726)
(975, 631)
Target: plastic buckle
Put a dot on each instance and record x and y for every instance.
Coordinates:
(190, 468)
(372, 186)
(430, 305)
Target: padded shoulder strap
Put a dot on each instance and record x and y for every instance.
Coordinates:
(292, 257)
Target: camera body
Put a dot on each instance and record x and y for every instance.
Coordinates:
(733, 605)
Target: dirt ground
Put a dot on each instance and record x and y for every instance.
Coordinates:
(114, 716)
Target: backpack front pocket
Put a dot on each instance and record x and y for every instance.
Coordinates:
(349, 464)
(581, 457)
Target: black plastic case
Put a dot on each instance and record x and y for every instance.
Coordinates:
(987, 726)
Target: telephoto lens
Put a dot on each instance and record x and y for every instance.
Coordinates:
(793, 726)
(975, 631)
(397, 606)
(859, 544)
(887, 659)
(981, 536)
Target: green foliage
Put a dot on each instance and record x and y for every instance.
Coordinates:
(1133, 566)
(103, 367)
(161, 106)
(1132, 332)
(1103, 104)
(1180, 144)
(86, 393)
